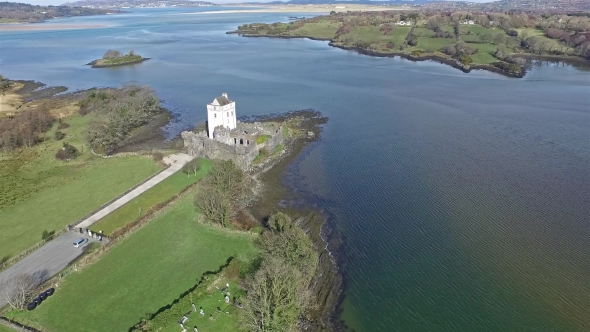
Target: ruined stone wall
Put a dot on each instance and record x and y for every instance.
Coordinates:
(200, 145)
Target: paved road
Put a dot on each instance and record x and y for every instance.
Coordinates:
(53, 257)
(58, 253)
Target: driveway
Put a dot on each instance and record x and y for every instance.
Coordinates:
(53, 257)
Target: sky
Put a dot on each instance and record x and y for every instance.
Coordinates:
(59, 2)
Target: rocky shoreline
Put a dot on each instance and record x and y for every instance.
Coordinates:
(95, 64)
(276, 193)
(447, 61)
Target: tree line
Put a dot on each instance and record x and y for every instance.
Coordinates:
(116, 112)
(278, 292)
(25, 129)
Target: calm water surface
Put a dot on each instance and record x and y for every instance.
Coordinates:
(464, 199)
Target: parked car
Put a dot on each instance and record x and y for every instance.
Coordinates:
(80, 242)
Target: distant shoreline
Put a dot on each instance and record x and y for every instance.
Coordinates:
(44, 27)
(300, 9)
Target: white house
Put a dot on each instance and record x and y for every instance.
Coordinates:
(221, 112)
(468, 22)
(403, 23)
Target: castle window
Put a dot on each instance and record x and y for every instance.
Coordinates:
(235, 141)
(214, 115)
(248, 142)
(241, 141)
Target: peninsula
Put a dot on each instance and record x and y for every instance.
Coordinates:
(113, 58)
(498, 42)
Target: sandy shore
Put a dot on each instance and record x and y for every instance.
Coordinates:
(37, 26)
(304, 9)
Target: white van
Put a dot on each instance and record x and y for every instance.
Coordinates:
(80, 242)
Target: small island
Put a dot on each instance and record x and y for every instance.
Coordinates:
(113, 58)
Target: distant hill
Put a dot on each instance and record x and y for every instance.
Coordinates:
(357, 2)
(14, 12)
(138, 3)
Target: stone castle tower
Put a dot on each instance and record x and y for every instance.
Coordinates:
(221, 113)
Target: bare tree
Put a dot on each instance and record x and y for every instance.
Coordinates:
(111, 54)
(276, 298)
(192, 167)
(18, 290)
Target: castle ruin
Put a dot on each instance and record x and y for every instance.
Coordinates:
(229, 139)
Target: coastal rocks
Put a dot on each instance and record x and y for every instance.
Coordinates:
(95, 63)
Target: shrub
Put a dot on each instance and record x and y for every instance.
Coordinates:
(67, 152)
(47, 236)
(264, 152)
(62, 125)
(24, 129)
(512, 32)
(158, 156)
(58, 135)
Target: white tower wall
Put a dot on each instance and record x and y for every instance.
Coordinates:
(221, 112)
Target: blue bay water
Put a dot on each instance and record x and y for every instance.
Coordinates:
(463, 199)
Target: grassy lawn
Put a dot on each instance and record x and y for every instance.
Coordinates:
(485, 53)
(158, 194)
(370, 33)
(141, 274)
(433, 44)
(319, 30)
(38, 192)
(209, 298)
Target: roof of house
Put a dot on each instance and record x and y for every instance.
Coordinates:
(222, 101)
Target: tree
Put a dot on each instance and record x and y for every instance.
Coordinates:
(111, 54)
(275, 299)
(192, 167)
(292, 246)
(221, 192)
(279, 221)
(214, 205)
(18, 290)
(499, 39)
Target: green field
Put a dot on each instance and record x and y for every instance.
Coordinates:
(433, 44)
(158, 194)
(143, 273)
(325, 30)
(38, 192)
